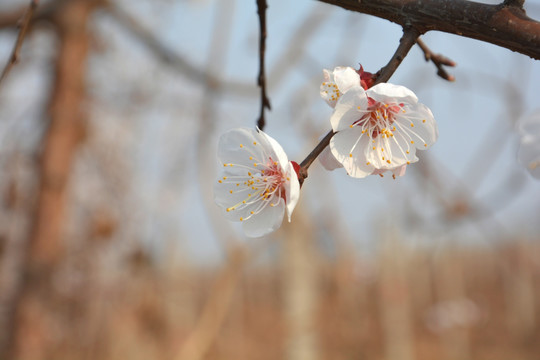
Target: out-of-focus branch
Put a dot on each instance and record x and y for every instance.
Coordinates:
(506, 24)
(216, 309)
(175, 61)
(265, 102)
(410, 35)
(438, 60)
(24, 25)
(43, 12)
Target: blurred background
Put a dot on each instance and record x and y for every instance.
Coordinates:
(111, 246)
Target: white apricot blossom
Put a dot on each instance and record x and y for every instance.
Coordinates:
(334, 85)
(529, 147)
(258, 182)
(338, 83)
(380, 129)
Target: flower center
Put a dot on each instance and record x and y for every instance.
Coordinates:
(378, 118)
(264, 185)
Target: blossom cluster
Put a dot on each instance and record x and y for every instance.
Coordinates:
(377, 128)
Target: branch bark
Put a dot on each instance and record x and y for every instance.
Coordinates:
(505, 25)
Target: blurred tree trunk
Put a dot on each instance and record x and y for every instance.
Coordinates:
(34, 312)
(395, 299)
(450, 286)
(300, 289)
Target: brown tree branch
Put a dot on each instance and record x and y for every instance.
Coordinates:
(506, 25)
(24, 25)
(438, 60)
(265, 102)
(407, 41)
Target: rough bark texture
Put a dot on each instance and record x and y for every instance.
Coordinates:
(505, 25)
(34, 312)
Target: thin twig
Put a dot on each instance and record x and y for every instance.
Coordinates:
(409, 38)
(304, 165)
(265, 102)
(169, 57)
(410, 35)
(438, 60)
(24, 25)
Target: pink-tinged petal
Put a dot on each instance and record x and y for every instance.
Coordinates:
(267, 221)
(346, 78)
(348, 147)
(292, 189)
(328, 160)
(390, 93)
(400, 170)
(349, 109)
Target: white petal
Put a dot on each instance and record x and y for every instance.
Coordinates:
(236, 146)
(292, 189)
(376, 152)
(530, 124)
(328, 89)
(348, 142)
(266, 221)
(346, 78)
(326, 75)
(424, 129)
(529, 155)
(275, 151)
(401, 150)
(349, 109)
(225, 199)
(390, 93)
(328, 160)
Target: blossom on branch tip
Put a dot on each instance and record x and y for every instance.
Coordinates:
(380, 129)
(529, 146)
(338, 83)
(258, 183)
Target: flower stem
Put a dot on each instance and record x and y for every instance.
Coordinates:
(410, 35)
(304, 165)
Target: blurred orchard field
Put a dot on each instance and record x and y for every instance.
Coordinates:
(111, 245)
